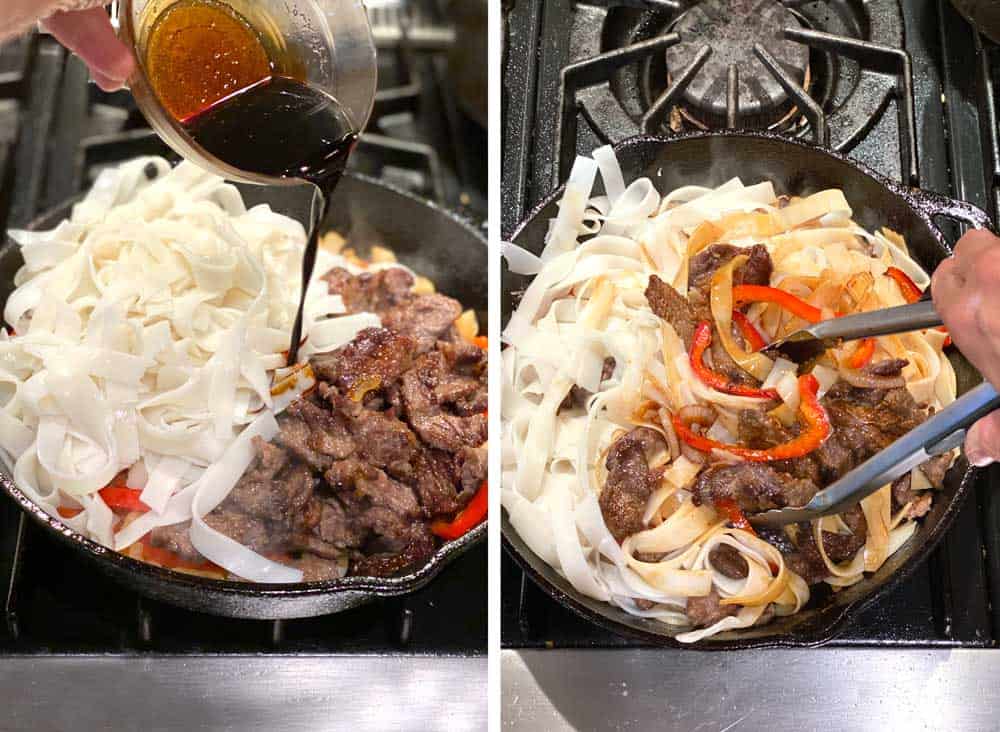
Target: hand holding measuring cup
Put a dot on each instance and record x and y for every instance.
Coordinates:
(83, 27)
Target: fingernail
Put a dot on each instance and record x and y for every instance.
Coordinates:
(981, 460)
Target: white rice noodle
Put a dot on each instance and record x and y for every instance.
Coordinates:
(520, 260)
(213, 487)
(149, 329)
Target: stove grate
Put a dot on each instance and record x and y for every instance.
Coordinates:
(598, 70)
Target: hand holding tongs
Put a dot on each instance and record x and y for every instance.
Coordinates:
(941, 433)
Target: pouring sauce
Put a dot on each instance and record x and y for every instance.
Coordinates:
(239, 110)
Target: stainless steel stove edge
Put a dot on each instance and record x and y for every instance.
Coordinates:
(827, 688)
(290, 693)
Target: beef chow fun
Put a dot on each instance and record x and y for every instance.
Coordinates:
(148, 403)
(643, 421)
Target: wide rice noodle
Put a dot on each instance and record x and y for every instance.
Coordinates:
(586, 303)
(148, 331)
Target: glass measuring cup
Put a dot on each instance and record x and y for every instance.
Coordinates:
(328, 44)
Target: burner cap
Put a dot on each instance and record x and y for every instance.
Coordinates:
(730, 28)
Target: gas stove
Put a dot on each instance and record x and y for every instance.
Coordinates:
(64, 622)
(905, 86)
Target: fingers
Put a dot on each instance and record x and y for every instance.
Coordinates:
(982, 444)
(88, 34)
(974, 242)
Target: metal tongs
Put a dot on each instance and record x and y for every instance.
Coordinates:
(941, 433)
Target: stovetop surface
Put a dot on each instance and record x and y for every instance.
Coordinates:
(56, 132)
(951, 600)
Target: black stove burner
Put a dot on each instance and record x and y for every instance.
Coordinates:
(822, 70)
(734, 82)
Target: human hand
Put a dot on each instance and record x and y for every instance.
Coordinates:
(83, 27)
(966, 291)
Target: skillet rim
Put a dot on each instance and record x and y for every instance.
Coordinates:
(121, 566)
(925, 205)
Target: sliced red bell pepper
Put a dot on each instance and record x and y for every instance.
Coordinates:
(735, 514)
(750, 334)
(761, 293)
(123, 499)
(862, 355)
(911, 293)
(816, 431)
(699, 344)
(467, 519)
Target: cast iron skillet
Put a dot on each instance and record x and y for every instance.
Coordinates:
(710, 159)
(431, 240)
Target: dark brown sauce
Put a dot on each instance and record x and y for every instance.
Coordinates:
(281, 127)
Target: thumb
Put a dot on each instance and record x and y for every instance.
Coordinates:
(982, 444)
(88, 34)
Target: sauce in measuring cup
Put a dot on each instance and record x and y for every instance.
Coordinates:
(210, 69)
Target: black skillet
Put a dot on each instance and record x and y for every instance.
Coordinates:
(432, 241)
(710, 159)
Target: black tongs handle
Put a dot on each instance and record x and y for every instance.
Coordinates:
(940, 434)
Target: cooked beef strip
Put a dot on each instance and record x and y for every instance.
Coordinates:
(864, 421)
(273, 488)
(755, 271)
(437, 427)
(729, 561)
(436, 476)
(886, 367)
(778, 539)
(936, 468)
(375, 354)
(337, 528)
(316, 569)
(374, 501)
(372, 292)
(418, 549)
(578, 396)
(630, 481)
(176, 538)
(255, 533)
(902, 492)
(466, 359)
(409, 452)
(472, 467)
(706, 611)
(805, 561)
(755, 487)
(673, 307)
(314, 435)
(759, 430)
(842, 547)
(424, 318)
(379, 437)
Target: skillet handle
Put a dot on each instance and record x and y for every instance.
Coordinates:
(934, 204)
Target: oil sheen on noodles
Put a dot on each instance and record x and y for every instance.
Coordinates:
(146, 334)
(586, 303)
